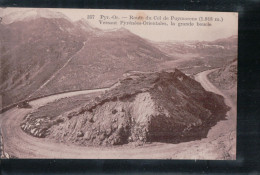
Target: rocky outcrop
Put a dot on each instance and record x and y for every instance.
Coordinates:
(144, 107)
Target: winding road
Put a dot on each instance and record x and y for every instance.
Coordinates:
(219, 144)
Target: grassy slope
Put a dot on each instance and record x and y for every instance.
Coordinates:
(226, 79)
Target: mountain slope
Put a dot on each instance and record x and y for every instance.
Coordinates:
(104, 58)
(225, 78)
(33, 51)
(86, 27)
(166, 107)
(38, 44)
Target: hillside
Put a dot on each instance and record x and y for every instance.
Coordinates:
(225, 78)
(165, 107)
(43, 52)
(103, 60)
(32, 51)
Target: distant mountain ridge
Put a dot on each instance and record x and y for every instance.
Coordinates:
(223, 45)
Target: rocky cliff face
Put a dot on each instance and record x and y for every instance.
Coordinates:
(143, 107)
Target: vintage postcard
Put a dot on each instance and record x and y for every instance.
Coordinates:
(118, 84)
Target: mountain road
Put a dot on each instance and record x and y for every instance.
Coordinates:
(220, 142)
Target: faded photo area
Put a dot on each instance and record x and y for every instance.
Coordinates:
(118, 84)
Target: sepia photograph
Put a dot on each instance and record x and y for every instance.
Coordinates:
(118, 84)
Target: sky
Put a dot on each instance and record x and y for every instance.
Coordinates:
(226, 28)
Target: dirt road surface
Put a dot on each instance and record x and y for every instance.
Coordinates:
(219, 144)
